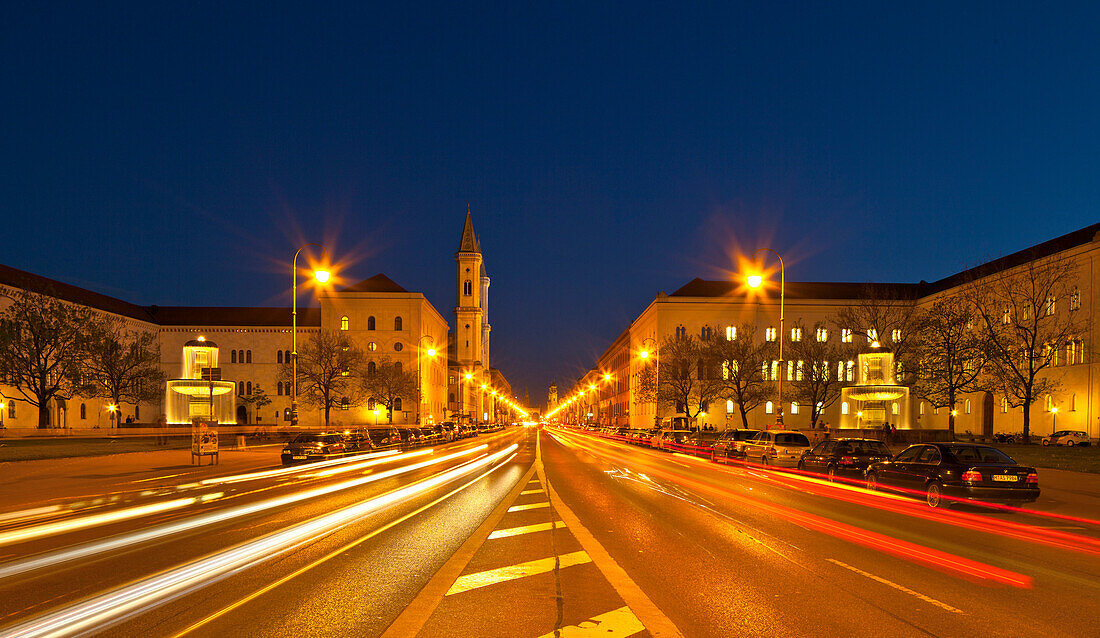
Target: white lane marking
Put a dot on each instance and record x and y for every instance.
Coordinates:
(901, 588)
(512, 572)
(619, 623)
(525, 492)
(526, 529)
(529, 506)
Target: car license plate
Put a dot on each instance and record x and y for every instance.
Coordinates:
(1008, 478)
(298, 456)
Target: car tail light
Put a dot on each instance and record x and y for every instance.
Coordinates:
(972, 475)
(847, 460)
(1032, 479)
(772, 449)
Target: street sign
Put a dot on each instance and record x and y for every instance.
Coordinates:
(211, 374)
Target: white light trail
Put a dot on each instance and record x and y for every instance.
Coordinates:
(92, 520)
(98, 612)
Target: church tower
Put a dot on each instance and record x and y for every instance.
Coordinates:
(469, 314)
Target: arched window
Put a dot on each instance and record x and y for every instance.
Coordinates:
(279, 356)
(1049, 403)
(137, 412)
(467, 288)
(249, 387)
(370, 323)
(967, 406)
(344, 323)
(894, 408)
(240, 388)
(769, 407)
(729, 407)
(397, 404)
(248, 356)
(397, 366)
(794, 407)
(920, 408)
(83, 411)
(286, 356)
(397, 324)
(1072, 402)
(279, 385)
(240, 356)
(1004, 405)
(233, 357)
(344, 403)
(371, 367)
(844, 407)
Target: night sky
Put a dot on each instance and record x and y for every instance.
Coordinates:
(178, 154)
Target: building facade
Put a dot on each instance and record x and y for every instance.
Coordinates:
(717, 308)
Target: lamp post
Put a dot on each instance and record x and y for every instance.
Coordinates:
(755, 281)
(644, 354)
(462, 396)
(1054, 418)
(419, 352)
(321, 276)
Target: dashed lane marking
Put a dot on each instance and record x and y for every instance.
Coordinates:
(526, 529)
(512, 572)
(901, 588)
(619, 623)
(530, 492)
(529, 506)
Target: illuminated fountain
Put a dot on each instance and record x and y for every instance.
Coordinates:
(200, 393)
(876, 398)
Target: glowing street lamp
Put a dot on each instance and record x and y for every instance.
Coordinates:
(419, 352)
(321, 276)
(755, 280)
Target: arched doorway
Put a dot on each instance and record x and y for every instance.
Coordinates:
(242, 415)
(987, 415)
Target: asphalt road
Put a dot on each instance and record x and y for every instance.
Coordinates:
(526, 534)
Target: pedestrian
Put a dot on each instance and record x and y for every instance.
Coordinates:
(893, 432)
(886, 432)
(826, 427)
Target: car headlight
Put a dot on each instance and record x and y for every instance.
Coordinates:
(286, 450)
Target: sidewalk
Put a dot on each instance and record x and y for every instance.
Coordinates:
(26, 484)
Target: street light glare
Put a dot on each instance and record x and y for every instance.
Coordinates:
(754, 281)
(321, 275)
(644, 354)
(431, 352)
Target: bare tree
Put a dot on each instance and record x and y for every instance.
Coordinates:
(887, 314)
(257, 400)
(1028, 314)
(952, 356)
(122, 365)
(42, 343)
(688, 376)
(326, 363)
(387, 383)
(809, 361)
(742, 359)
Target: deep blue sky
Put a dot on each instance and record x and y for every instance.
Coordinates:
(178, 154)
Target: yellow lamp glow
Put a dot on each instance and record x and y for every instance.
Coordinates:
(644, 354)
(1054, 410)
(469, 376)
(431, 352)
(754, 281)
(607, 377)
(321, 275)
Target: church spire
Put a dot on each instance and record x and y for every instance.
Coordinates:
(469, 243)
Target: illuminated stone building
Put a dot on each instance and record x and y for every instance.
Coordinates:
(721, 306)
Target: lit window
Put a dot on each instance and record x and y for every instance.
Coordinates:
(345, 372)
(729, 407)
(851, 371)
(1026, 312)
(769, 334)
(769, 408)
(794, 407)
(896, 335)
(844, 407)
(936, 410)
(372, 346)
(846, 335)
(1004, 405)
(894, 408)
(1049, 403)
(1006, 316)
(794, 370)
(343, 323)
(1075, 299)
(1049, 306)
(796, 334)
(872, 335)
(344, 403)
(822, 334)
(1071, 353)
(820, 407)
(731, 333)
(920, 408)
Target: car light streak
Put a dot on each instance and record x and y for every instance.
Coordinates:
(359, 466)
(92, 520)
(297, 469)
(912, 552)
(100, 611)
(160, 531)
(24, 515)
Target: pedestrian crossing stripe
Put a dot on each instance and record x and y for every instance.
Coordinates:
(619, 623)
(540, 492)
(526, 529)
(513, 572)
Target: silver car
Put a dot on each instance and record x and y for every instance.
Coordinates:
(1067, 437)
(777, 447)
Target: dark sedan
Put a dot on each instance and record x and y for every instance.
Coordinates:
(730, 444)
(844, 456)
(956, 470)
(313, 447)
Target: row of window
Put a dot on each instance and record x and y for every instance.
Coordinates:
(345, 323)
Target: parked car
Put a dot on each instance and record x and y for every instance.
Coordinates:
(1067, 437)
(382, 436)
(313, 447)
(960, 470)
(410, 437)
(777, 447)
(844, 456)
(663, 438)
(730, 444)
(703, 442)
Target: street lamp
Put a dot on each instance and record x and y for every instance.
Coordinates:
(644, 354)
(1054, 418)
(431, 353)
(112, 409)
(756, 280)
(321, 276)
